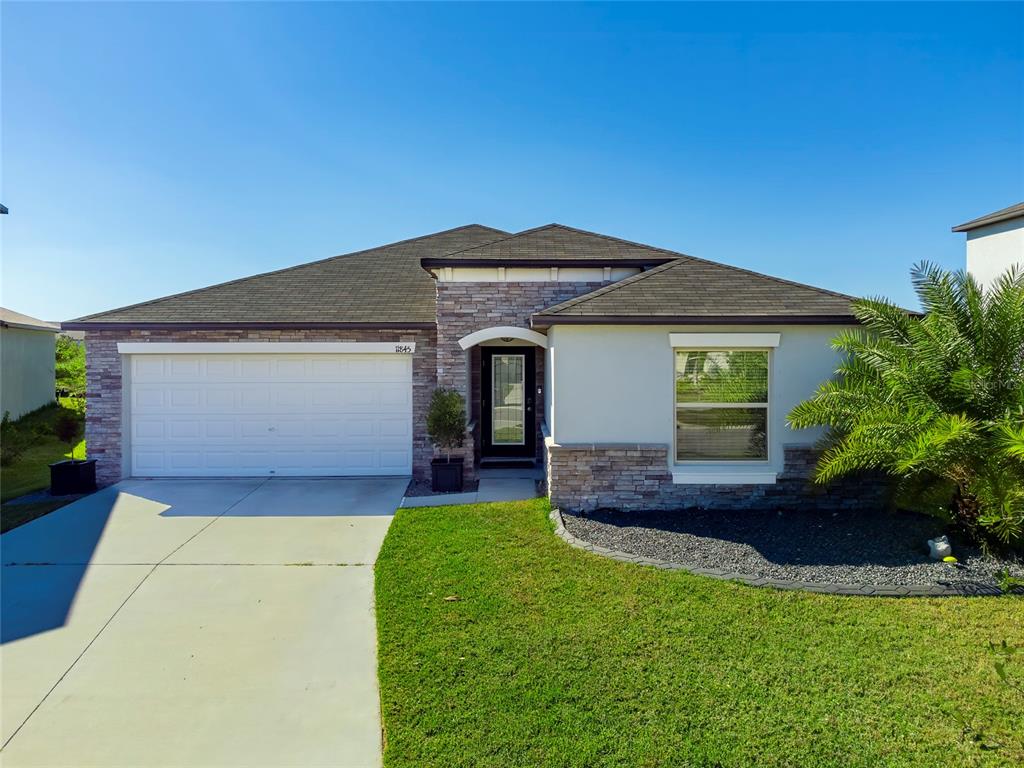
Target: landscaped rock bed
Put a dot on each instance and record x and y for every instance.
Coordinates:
(853, 549)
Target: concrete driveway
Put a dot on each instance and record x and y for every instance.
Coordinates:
(196, 623)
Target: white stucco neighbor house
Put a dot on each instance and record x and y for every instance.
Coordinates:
(27, 357)
(995, 242)
(636, 376)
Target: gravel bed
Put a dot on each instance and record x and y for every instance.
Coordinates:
(879, 548)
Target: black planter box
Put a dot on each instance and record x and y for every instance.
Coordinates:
(73, 476)
(446, 476)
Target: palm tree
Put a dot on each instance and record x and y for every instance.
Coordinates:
(936, 400)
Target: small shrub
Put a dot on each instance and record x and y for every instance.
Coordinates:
(1008, 583)
(70, 366)
(65, 428)
(13, 441)
(446, 420)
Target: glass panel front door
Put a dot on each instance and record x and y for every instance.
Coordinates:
(508, 400)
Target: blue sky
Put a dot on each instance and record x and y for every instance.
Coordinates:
(149, 149)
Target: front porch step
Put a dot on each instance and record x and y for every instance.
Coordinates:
(500, 461)
(531, 471)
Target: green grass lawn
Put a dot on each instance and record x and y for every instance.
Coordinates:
(31, 470)
(551, 656)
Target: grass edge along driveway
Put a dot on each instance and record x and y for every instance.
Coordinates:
(499, 645)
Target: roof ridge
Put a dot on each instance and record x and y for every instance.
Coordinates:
(364, 251)
(511, 236)
(782, 280)
(679, 255)
(612, 238)
(612, 287)
(566, 227)
(687, 259)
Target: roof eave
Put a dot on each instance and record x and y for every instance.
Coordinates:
(1008, 214)
(543, 321)
(29, 327)
(99, 325)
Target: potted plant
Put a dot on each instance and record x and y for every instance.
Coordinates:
(71, 475)
(446, 427)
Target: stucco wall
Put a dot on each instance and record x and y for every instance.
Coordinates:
(992, 249)
(26, 370)
(614, 384)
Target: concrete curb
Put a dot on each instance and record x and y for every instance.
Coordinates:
(972, 589)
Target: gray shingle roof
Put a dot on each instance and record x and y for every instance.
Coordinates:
(384, 285)
(557, 243)
(11, 319)
(694, 290)
(1012, 212)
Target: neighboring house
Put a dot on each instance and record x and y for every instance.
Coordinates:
(995, 242)
(27, 356)
(640, 377)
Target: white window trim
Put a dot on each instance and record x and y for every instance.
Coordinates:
(265, 347)
(725, 340)
(724, 471)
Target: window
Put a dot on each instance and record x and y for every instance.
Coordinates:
(721, 405)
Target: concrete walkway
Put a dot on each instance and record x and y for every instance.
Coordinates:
(496, 484)
(196, 623)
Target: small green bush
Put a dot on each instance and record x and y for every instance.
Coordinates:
(446, 420)
(70, 366)
(65, 428)
(13, 441)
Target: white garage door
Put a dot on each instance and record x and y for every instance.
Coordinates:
(270, 414)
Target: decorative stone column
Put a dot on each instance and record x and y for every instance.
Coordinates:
(466, 307)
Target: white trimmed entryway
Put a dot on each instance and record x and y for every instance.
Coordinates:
(268, 409)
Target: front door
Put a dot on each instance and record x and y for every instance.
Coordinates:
(508, 421)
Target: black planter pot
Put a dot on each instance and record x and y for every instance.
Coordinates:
(73, 476)
(446, 476)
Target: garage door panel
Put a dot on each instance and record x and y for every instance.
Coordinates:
(181, 367)
(394, 394)
(395, 428)
(146, 397)
(395, 460)
(185, 429)
(256, 415)
(220, 398)
(148, 368)
(221, 368)
(143, 429)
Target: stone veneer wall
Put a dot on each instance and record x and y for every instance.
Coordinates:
(636, 477)
(104, 408)
(463, 308)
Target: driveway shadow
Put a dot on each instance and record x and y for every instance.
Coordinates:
(39, 598)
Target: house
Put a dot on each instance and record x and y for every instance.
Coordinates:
(27, 356)
(995, 242)
(639, 376)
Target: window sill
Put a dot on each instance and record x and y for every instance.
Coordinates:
(722, 477)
